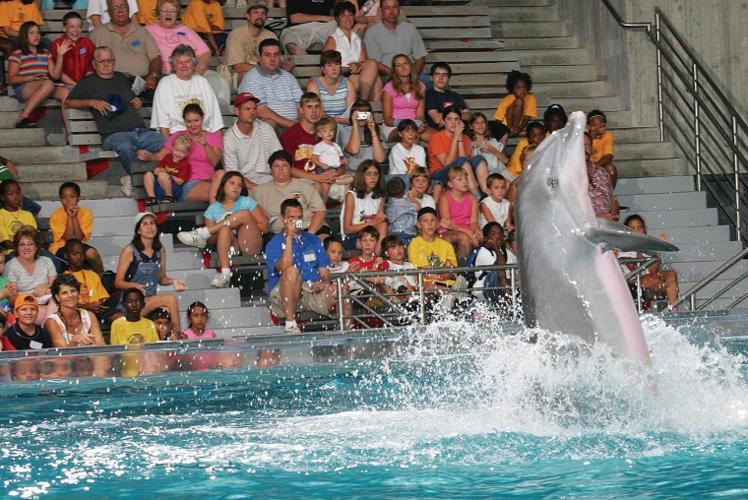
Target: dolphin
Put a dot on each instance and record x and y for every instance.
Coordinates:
(571, 282)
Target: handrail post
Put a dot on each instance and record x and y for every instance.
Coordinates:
(696, 123)
(692, 302)
(421, 299)
(341, 311)
(736, 173)
(660, 105)
(513, 280)
(639, 293)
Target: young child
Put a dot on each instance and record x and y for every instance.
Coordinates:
(440, 97)
(172, 172)
(491, 253)
(133, 328)
(72, 221)
(485, 145)
(205, 17)
(420, 181)
(519, 106)
(368, 260)
(334, 248)
(162, 319)
(25, 333)
(458, 209)
(393, 249)
(93, 296)
(535, 134)
(407, 154)
(7, 290)
(363, 205)
(495, 208)
(554, 118)
(8, 171)
(600, 186)
(428, 250)
(76, 50)
(401, 210)
(328, 155)
(602, 143)
(12, 216)
(197, 319)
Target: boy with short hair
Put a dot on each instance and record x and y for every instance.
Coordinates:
(420, 181)
(535, 133)
(429, 250)
(8, 171)
(71, 221)
(133, 328)
(439, 97)
(495, 207)
(171, 173)
(25, 333)
(368, 260)
(162, 319)
(12, 216)
(77, 51)
(93, 296)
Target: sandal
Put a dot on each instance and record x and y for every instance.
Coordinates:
(150, 202)
(25, 123)
(168, 199)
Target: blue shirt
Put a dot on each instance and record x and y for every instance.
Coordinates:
(308, 257)
(278, 91)
(216, 212)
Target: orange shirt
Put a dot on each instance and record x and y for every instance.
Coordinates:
(529, 107)
(14, 14)
(440, 143)
(602, 146)
(58, 220)
(204, 17)
(147, 12)
(92, 290)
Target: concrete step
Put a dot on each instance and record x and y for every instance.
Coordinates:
(229, 333)
(176, 261)
(112, 245)
(27, 137)
(562, 74)
(46, 154)
(606, 103)
(695, 271)
(48, 190)
(555, 90)
(59, 172)
(647, 168)
(678, 235)
(704, 251)
(689, 200)
(514, 3)
(507, 29)
(240, 317)
(8, 103)
(721, 304)
(544, 42)
(644, 150)
(679, 218)
(197, 279)
(213, 298)
(553, 57)
(114, 226)
(112, 207)
(715, 286)
(525, 14)
(629, 135)
(652, 185)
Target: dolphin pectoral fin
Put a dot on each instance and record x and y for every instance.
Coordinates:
(614, 235)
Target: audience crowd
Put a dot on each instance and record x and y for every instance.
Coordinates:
(430, 185)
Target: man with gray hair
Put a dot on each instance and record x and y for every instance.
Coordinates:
(109, 97)
(135, 50)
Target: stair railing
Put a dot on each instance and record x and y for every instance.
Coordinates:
(699, 115)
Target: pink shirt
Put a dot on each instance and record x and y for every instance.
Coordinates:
(404, 106)
(190, 335)
(200, 168)
(167, 40)
(460, 211)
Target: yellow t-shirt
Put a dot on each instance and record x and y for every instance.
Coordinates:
(58, 221)
(15, 13)
(425, 254)
(10, 222)
(602, 146)
(204, 17)
(92, 290)
(147, 12)
(138, 332)
(529, 108)
(515, 164)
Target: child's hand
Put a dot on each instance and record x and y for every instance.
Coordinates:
(8, 290)
(444, 223)
(144, 155)
(344, 161)
(354, 266)
(177, 180)
(158, 171)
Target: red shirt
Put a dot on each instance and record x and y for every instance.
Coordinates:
(299, 144)
(180, 169)
(76, 62)
(368, 265)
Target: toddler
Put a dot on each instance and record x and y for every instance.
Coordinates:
(327, 154)
(407, 154)
(172, 172)
(495, 208)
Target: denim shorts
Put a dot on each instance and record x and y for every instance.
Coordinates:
(440, 175)
(187, 187)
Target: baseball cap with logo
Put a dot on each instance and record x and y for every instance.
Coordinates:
(244, 97)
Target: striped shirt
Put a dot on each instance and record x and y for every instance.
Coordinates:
(279, 91)
(334, 104)
(31, 63)
(248, 154)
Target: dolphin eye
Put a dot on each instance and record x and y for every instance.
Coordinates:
(552, 182)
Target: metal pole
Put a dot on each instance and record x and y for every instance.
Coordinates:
(639, 292)
(696, 123)
(514, 295)
(341, 313)
(736, 173)
(421, 299)
(692, 301)
(660, 108)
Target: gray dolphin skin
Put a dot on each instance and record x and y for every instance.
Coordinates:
(571, 282)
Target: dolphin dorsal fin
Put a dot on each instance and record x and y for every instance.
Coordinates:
(615, 235)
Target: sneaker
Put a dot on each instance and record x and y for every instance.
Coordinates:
(168, 199)
(221, 280)
(192, 238)
(292, 330)
(623, 209)
(150, 202)
(125, 185)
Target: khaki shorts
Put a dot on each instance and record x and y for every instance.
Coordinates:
(310, 301)
(308, 34)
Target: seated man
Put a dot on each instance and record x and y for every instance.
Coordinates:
(439, 97)
(297, 267)
(241, 45)
(270, 196)
(276, 88)
(108, 94)
(310, 23)
(391, 37)
(429, 250)
(72, 221)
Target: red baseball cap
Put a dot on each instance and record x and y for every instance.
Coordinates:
(244, 97)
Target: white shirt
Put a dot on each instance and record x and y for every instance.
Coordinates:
(398, 156)
(396, 282)
(173, 94)
(499, 210)
(99, 8)
(363, 209)
(350, 51)
(427, 201)
(328, 153)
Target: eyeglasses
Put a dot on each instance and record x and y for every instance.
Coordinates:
(105, 61)
(120, 8)
(372, 174)
(168, 11)
(27, 244)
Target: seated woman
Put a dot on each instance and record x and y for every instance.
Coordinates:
(232, 221)
(404, 97)
(655, 279)
(71, 326)
(362, 139)
(174, 92)
(203, 157)
(362, 72)
(30, 272)
(29, 67)
(142, 265)
(335, 91)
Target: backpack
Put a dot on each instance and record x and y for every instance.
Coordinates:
(472, 277)
(491, 277)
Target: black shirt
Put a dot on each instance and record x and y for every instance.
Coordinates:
(312, 7)
(15, 339)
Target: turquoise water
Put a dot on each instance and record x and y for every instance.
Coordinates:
(457, 412)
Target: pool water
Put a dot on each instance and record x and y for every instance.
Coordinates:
(457, 411)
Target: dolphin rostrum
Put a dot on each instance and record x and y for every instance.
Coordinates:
(571, 282)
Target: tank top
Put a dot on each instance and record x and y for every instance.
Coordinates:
(460, 211)
(85, 323)
(334, 104)
(363, 209)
